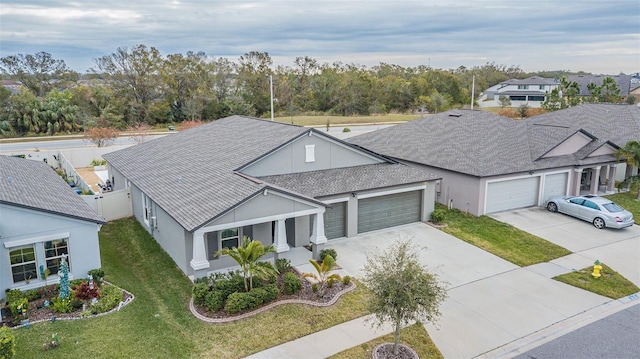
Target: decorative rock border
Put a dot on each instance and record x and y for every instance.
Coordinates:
(116, 309)
(269, 306)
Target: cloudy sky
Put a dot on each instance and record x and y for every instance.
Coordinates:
(600, 36)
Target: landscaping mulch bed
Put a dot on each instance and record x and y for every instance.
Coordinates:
(39, 313)
(306, 295)
(385, 351)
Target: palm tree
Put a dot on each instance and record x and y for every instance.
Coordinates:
(631, 153)
(323, 270)
(247, 256)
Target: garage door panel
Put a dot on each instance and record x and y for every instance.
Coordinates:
(555, 185)
(511, 194)
(335, 220)
(389, 211)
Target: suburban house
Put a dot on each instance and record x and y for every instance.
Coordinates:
(490, 163)
(623, 81)
(42, 219)
(531, 91)
(203, 189)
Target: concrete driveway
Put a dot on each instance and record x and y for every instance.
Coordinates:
(491, 302)
(617, 248)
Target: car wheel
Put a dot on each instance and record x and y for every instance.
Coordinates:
(552, 207)
(598, 222)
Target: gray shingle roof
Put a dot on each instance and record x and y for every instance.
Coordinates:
(191, 175)
(33, 184)
(533, 80)
(351, 179)
(482, 144)
(623, 81)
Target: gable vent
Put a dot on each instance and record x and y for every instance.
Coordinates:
(455, 114)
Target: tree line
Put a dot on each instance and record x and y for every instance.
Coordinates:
(139, 85)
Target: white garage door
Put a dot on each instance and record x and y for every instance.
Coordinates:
(511, 194)
(554, 185)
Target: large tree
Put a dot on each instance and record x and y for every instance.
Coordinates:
(39, 72)
(403, 290)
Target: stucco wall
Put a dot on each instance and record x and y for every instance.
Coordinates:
(20, 224)
(292, 158)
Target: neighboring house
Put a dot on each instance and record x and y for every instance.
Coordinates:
(490, 163)
(623, 81)
(531, 91)
(634, 91)
(13, 86)
(203, 189)
(42, 218)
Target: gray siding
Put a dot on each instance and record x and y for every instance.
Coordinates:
(18, 224)
(171, 237)
(292, 158)
(118, 178)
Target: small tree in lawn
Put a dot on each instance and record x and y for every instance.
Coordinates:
(403, 291)
(504, 101)
(522, 110)
(248, 257)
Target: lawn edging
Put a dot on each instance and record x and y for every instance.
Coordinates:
(269, 306)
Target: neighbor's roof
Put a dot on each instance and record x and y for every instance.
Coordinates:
(34, 185)
(483, 144)
(623, 82)
(533, 80)
(350, 179)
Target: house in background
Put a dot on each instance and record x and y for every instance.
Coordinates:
(531, 91)
(490, 163)
(203, 189)
(623, 81)
(42, 218)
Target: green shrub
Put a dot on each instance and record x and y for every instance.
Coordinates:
(291, 284)
(200, 292)
(259, 295)
(438, 215)
(97, 275)
(32, 294)
(346, 129)
(76, 303)
(346, 280)
(206, 280)
(98, 162)
(240, 301)
(13, 295)
(62, 305)
(227, 287)
(314, 287)
(283, 265)
(272, 292)
(7, 343)
(328, 251)
(214, 300)
(110, 297)
(331, 282)
(18, 307)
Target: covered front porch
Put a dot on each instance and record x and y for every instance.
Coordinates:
(598, 180)
(273, 218)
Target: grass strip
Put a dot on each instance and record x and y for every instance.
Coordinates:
(610, 284)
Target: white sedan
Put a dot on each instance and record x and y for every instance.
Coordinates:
(600, 211)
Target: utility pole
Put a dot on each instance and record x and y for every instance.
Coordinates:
(473, 88)
(271, 93)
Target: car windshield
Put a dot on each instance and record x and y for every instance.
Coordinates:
(612, 207)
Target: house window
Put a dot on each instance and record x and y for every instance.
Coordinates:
(536, 98)
(523, 87)
(310, 153)
(23, 264)
(518, 98)
(53, 251)
(146, 209)
(229, 238)
(541, 87)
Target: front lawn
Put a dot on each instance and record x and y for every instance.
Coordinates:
(501, 239)
(414, 336)
(629, 202)
(610, 284)
(158, 324)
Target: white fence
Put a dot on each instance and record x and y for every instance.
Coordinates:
(111, 205)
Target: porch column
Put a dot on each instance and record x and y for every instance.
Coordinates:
(199, 259)
(595, 179)
(281, 237)
(576, 183)
(612, 179)
(318, 239)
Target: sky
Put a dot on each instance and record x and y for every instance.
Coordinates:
(602, 37)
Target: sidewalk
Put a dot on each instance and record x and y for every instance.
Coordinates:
(326, 342)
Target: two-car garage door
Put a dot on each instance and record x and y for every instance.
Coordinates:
(389, 211)
(523, 192)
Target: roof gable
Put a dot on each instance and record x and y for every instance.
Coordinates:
(310, 151)
(605, 149)
(571, 145)
(34, 185)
